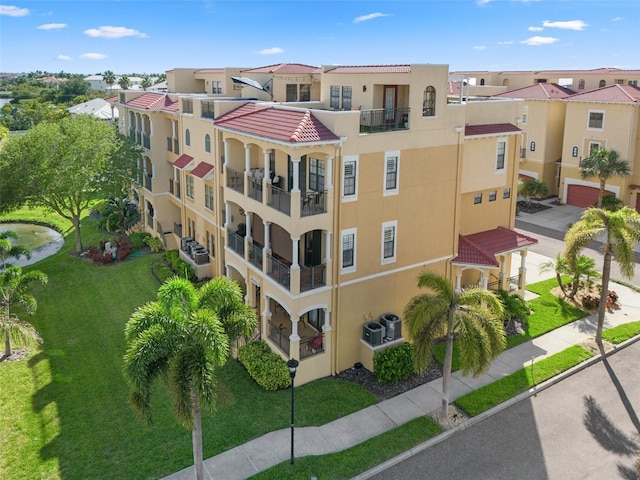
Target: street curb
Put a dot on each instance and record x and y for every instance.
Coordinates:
(492, 411)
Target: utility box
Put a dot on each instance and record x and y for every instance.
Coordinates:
(392, 324)
(373, 333)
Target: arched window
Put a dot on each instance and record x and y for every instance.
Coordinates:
(482, 81)
(603, 83)
(207, 143)
(581, 84)
(187, 138)
(429, 103)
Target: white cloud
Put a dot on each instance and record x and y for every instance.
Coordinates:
(616, 19)
(535, 29)
(93, 56)
(539, 40)
(114, 32)
(63, 57)
(568, 25)
(480, 47)
(13, 11)
(270, 51)
(371, 16)
(508, 42)
(52, 26)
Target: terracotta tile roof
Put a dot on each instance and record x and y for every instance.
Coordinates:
(277, 124)
(202, 169)
(489, 129)
(454, 87)
(538, 91)
(282, 68)
(369, 69)
(481, 248)
(182, 161)
(113, 99)
(611, 94)
(153, 101)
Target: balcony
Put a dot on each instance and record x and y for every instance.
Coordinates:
(312, 345)
(150, 220)
(278, 335)
(313, 203)
(147, 182)
(235, 180)
(312, 277)
(384, 120)
(279, 271)
(146, 141)
(255, 189)
(279, 199)
(174, 188)
(255, 255)
(235, 242)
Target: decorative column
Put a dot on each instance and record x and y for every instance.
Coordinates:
(266, 250)
(227, 215)
(294, 269)
(247, 168)
(294, 337)
(295, 189)
(522, 271)
(248, 238)
(459, 282)
(225, 144)
(329, 177)
(327, 246)
(502, 274)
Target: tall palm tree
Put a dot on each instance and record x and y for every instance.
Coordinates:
(603, 163)
(124, 82)
(182, 338)
(621, 229)
(109, 79)
(146, 82)
(473, 316)
(532, 188)
(13, 291)
(8, 250)
(580, 268)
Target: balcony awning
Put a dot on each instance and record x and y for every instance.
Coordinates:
(480, 249)
(202, 170)
(182, 161)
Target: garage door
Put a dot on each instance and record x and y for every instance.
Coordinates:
(581, 196)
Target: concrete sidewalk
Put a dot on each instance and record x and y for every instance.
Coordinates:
(273, 448)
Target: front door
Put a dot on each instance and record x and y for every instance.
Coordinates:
(390, 99)
(313, 248)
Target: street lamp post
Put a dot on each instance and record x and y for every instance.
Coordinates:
(293, 365)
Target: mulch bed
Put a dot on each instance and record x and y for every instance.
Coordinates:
(533, 207)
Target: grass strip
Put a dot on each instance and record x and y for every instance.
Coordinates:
(622, 332)
(357, 459)
(501, 390)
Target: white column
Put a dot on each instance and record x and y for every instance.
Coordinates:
(327, 246)
(248, 221)
(227, 215)
(458, 282)
(502, 272)
(294, 337)
(294, 259)
(296, 174)
(247, 158)
(326, 326)
(522, 273)
(173, 128)
(329, 177)
(267, 171)
(225, 144)
(227, 271)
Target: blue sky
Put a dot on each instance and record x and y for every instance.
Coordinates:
(129, 36)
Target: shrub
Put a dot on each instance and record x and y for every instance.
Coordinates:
(154, 243)
(591, 302)
(161, 271)
(138, 239)
(265, 367)
(179, 266)
(124, 248)
(394, 364)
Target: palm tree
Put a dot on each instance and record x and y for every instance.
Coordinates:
(146, 82)
(473, 316)
(8, 250)
(181, 338)
(621, 229)
(13, 291)
(514, 307)
(124, 82)
(603, 163)
(109, 78)
(582, 267)
(532, 188)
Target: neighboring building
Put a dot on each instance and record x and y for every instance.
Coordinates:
(326, 203)
(104, 109)
(97, 83)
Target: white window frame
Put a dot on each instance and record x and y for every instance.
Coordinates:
(189, 187)
(208, 198)
(207, 143)
(349, 232)
(589, 127)
(525, 114)
(348, 159)
(385, 227)
(388, 156)
(503, 169)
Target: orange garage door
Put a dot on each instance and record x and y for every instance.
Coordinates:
(582, 196)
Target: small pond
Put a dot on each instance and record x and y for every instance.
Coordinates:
(42, 241)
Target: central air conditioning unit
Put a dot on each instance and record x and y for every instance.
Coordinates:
(393, 325)
(184, 241)
(373, 333)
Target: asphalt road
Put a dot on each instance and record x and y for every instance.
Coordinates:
(577, 429)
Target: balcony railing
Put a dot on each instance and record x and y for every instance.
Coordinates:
(139, 138)
(174, 187)
(255, 189)
(496, 283)
(255, 255)
(280, 200)
(313, 203)
(146, 141)
(312, 277)
(149, 220)
(235, 180)
(278, 335)
(177, 229)
(279, 271)
(147, 182)
(312, 345)
(235, 242)
(384, 120)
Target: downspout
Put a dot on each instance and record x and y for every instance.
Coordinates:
(458, 199)
(337, 259)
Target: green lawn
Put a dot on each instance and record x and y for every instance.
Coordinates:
(64, 409)
(622, 332)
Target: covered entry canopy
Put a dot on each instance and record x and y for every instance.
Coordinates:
(480, 249)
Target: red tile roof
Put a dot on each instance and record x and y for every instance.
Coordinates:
(489, 129)
(182, 161)
(611, 94)
(369, 69)
(277, 124)
(153, 101)
(538, 91)
(113, 99)
(202, 169)
(282, 68)
(481, 248)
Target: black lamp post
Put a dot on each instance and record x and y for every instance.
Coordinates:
(293, 366)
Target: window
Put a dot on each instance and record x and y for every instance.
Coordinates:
(207, 143)
(391, 172)
(187, 105)
(208, 197)
(349, 249)
(346, 98)
(581, 84)
(187, 138)
(540, 80)
(292, 92)
(389, 230)
(525, 114)
(603, 83)
(596, 120)
(574, 152)
(316, 174)
(593, 147)
(506, 193)
(482, 81)
(210, 243)
(315, 318)
(532, 146)
(190, 189)
(350, 177)
(334, 101)
(477, 198)
(493, 194)
(618, 81)
(216, 87)
(207, 110)
(633, 83)
(429, 102)
(500, 154)
(305, 92)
